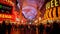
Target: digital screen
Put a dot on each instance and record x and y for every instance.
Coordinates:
(5, 8)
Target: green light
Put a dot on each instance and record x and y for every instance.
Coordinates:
(0, 6)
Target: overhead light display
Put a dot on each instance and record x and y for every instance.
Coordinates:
(29, 12)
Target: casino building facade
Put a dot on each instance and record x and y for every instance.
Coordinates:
(52, 11)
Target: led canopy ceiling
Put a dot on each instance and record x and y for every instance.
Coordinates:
(29, 12)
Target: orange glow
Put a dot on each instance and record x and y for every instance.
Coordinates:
(5, 16)
(59, 11)
(50, 13)
(12, 17)
(46, 14)
(54, 12)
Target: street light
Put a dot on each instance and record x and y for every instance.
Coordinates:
(39, 18)
(35, 21)
(22, 21)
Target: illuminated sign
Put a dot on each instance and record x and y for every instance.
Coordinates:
(5, 16)
(52, 12)
(52, 3)
(5, 9)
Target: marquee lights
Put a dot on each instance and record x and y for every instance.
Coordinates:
(58, 11)
(7, 10)
(5, 16)
(52, 13)
(52, 9)
(46, 14)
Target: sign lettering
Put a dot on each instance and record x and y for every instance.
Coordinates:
(52, 3)
(53, 12)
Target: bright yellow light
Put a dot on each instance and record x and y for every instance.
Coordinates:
(5, 16)
(36, 21)
(52, 4)
(47, 12)
(50, 13)
(54, 12)
(58, 11)
(48, 5)
(56, 3)
(39, 18)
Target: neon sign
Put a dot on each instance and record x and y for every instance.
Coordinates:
(52, 3)
(5, 16)
(5, 8)
(52, 12)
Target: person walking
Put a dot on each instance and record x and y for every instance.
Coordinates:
(3, 28)
(41, 28)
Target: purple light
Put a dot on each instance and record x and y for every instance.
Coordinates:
(29, 12)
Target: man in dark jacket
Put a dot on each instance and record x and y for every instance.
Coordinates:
(9, 28)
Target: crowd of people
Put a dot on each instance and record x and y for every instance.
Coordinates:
(49, 28)
(6, 28)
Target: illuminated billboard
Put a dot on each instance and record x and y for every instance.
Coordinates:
(5, 9)
(52, 9)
